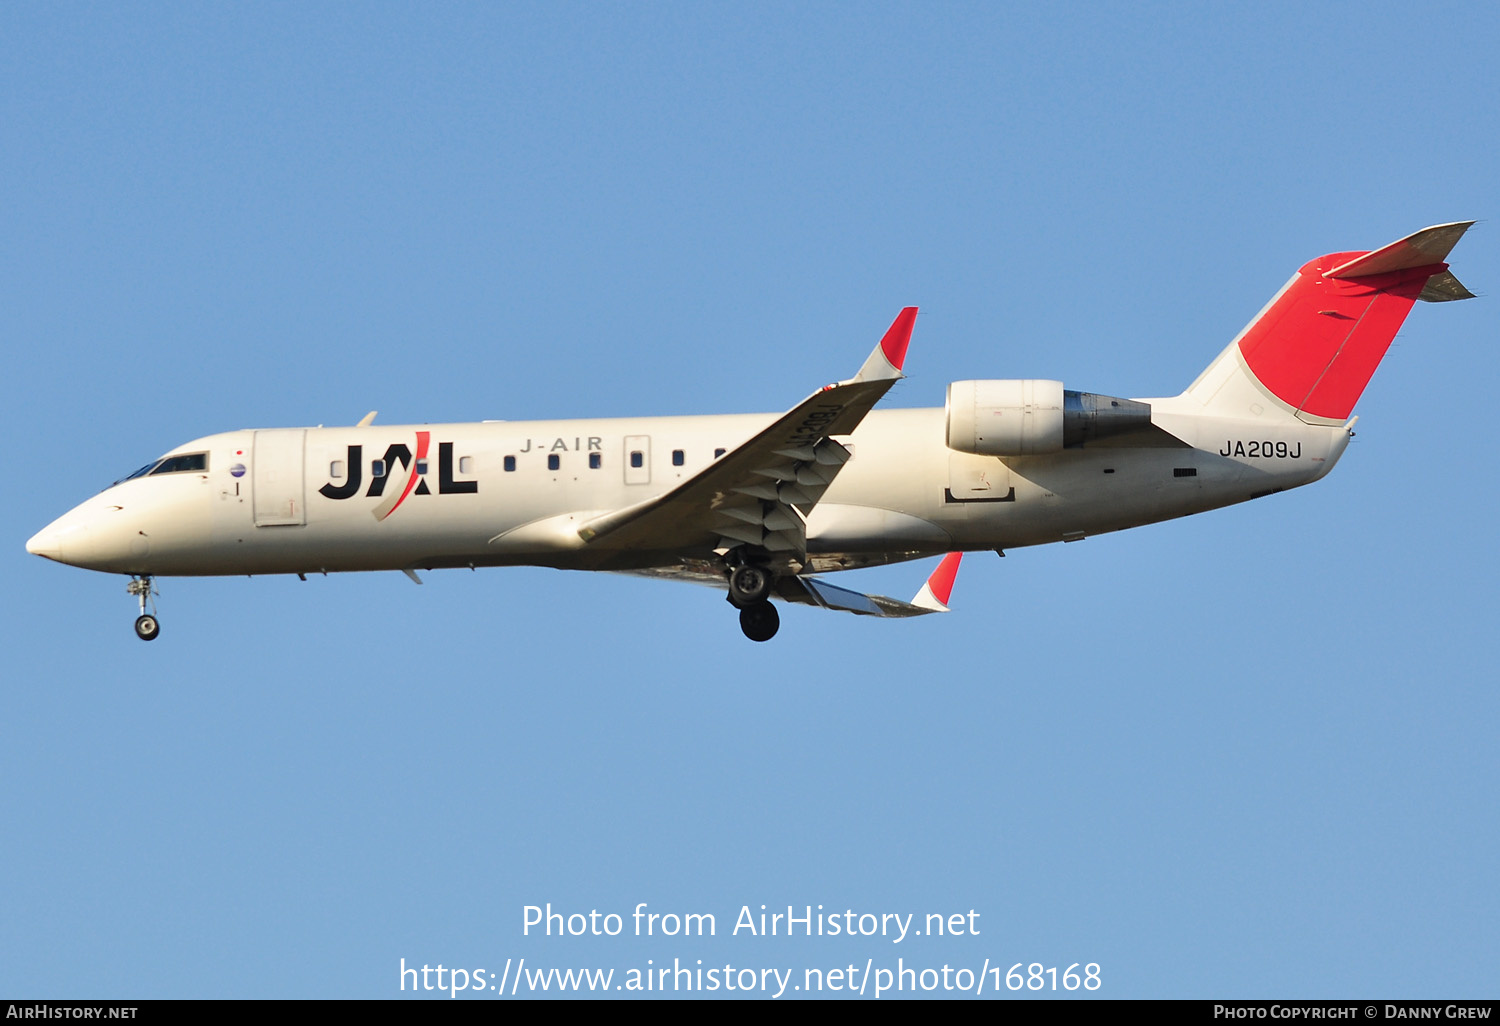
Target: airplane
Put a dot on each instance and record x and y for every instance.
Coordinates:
(759, 504)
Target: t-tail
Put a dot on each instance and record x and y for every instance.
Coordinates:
(1313, 349)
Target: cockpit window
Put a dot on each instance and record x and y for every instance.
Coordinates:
(140, 473)
(180, 464)
(171, 465)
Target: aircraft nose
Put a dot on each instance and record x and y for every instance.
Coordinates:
(45, 542)
(65, 540)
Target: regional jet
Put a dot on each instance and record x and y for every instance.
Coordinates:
(764, 506)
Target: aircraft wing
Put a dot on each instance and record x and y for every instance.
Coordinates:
(759, 493)
(933, 598)
(814, 591)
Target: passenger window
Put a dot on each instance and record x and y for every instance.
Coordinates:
(336, 470)
(377, 468)
(637, 459)
(510, 464)
(466, 464)
(677, 457)
(719, 452)
(554, 461)
(421, 466)
(595, 461)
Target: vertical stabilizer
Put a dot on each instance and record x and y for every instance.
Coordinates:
(1315, 346)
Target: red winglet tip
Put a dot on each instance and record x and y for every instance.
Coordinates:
(941, 581)
(898, 337)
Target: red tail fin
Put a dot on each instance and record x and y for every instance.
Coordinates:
(1318, 343)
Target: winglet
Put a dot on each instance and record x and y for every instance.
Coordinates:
(887, 358)
(935, 593)
(367, 419)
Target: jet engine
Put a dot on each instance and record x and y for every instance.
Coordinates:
(1033, 416)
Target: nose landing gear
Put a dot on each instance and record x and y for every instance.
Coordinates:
(147, 627)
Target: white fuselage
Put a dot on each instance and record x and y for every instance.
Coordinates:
(760, 504)
(513, 493)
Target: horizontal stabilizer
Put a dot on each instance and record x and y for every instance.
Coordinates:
(1443, 288)
(1419, 249)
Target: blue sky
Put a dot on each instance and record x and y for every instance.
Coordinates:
(1246, 754)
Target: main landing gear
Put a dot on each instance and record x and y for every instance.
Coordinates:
(147, 627)
(760, 622)
(750, 592)
(749, 584)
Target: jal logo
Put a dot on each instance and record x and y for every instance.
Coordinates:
(383, 472)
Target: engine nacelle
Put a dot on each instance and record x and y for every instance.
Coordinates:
(1022, 417)
(1033, 417)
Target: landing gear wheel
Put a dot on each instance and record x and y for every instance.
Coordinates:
(146, 625)
(760, 621)
(748, 585)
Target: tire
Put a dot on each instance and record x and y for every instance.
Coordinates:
(748, 585)
(147, 627)
(760, 621)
